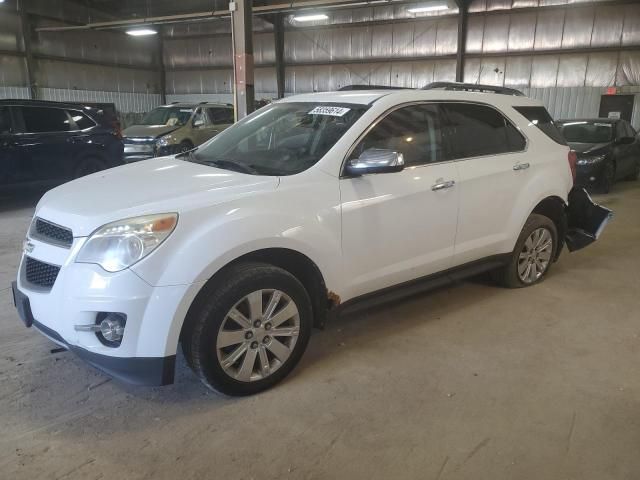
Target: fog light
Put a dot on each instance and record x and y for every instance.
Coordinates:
(111, 328)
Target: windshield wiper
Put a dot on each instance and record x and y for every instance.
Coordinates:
(230, 165)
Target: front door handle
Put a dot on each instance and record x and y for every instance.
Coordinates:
(521, 166)
(442, 185)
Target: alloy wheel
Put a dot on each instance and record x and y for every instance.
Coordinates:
(535, 256)
(258, 335)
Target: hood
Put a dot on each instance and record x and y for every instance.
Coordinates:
(162, 185)
(590, 147)
(148, 130)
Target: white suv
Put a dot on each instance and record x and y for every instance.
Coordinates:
(236, 249)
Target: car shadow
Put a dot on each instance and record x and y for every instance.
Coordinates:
(21, 197)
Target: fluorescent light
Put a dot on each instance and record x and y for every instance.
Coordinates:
(141, 32)
(429, 8)
(310, 18)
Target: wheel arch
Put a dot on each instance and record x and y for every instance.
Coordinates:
(553, 207)
(294, 262)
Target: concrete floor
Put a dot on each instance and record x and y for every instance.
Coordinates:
(469, 382)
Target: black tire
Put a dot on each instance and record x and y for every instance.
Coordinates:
(508, 276)
(185, 146)
(88, 165)
(608, 177)
(636, 172)
(199, 340)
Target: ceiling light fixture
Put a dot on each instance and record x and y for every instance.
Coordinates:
(141, 32)
(310, 18)
(433, 7)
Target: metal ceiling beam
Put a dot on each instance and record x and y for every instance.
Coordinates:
(278, 32)
(290, 6)
(462, 39)
(162, 73)
(25, 25)
(242, 40)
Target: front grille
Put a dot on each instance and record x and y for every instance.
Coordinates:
(41, 274)
(51, 233)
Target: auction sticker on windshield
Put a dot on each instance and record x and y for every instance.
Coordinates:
(333, 111)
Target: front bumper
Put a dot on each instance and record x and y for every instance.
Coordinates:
(589, 174)
(152, 371)
(146, 355)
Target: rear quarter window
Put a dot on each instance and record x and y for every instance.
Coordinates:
(81, 120)
(539, 117)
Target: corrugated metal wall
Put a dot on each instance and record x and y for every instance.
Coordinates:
(564, 54)
(80, 66)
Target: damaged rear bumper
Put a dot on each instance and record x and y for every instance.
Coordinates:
(585, 219)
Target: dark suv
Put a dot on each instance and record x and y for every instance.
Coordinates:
(50, 141)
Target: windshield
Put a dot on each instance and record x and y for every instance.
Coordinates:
(280, 139)
(587, 132)
(169, 116)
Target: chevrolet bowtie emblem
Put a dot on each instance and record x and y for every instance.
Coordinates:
(27, 246)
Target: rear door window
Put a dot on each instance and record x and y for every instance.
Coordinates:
(539, 117)
(45, 120)
(479, 130)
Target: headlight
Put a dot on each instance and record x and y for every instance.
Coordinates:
(590, 160)
(119, 245)
(164, 141)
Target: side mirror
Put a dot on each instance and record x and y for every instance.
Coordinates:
(625, 140)
(375, 160)
(198, 122)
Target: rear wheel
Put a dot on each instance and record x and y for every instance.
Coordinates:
(533, 254)
(88, 165)
(635, 175)
(251, 331)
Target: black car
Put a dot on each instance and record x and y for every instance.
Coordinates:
(607, 150)
(50, 141)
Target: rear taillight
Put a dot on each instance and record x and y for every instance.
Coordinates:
(573, 160)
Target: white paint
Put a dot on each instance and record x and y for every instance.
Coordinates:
(363, 233)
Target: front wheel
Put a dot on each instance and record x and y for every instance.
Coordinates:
(185, 146)
(533, 254)
(250, 331)
(635, 175)
(608, 177)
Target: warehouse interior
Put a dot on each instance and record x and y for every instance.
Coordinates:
(467, 382)
(565, 53)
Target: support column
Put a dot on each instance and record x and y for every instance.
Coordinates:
(25, 25)
(162, 73)
(462, 40)
(278, 30)
(243, 79)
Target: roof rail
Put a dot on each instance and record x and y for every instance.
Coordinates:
(370, 87)
(473, 87)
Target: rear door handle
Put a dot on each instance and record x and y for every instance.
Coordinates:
(521, 166)
(441, 185)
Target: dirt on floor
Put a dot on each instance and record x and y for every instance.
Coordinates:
(469, 382)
